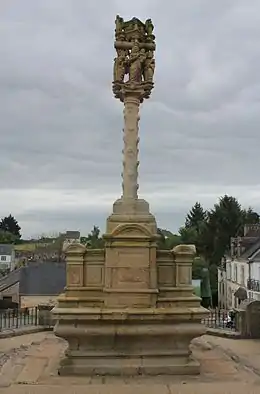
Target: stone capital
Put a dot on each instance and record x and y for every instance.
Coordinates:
(187, 251)
(139, 91)
(75, 248)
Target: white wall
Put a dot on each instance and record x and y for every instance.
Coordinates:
(222, 289)
(5, 261)
(234, 273)
(255, 270)
(238, 272)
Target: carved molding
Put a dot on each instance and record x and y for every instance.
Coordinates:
(75, 249)
(131, 229)
(186, 250)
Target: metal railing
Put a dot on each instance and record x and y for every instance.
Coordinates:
(253, 285)
(220, 319)
(17, 318)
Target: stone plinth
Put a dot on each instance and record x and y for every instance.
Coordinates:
(148, 316)
(131, 341)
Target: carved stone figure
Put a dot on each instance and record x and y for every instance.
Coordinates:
(143, 60)
(133, 41)
(135, 64)
(149, 67)
(149, 27)
(119, 24)
(120, 63)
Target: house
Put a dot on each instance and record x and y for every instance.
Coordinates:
(222, 286)
(45, 249)
(7, 257)
(239, 274)
(69, 237)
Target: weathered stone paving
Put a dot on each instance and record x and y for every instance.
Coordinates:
(28, 364)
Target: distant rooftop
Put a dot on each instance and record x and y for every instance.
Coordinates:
(71, 235)
(6, 249)
(252, 230)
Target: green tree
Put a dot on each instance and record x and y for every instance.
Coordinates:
(84, 240)
(94, 240)
(189, 235)
(10, 224)
(7, 238)
(250, 217)
(167, 240)
(194, 235)
(195, 217)
(198, 264)
(224, 222)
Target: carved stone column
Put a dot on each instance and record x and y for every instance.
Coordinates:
(131, 140)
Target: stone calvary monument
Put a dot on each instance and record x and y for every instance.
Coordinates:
(129, 308)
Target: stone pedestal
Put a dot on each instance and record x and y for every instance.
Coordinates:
(130, 266)
(130, 341)
(146, 322)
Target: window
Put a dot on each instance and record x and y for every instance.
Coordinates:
(235, 273)
(242, 275)
(3, 258)
(229, 297)
(228, 271)
(7, 298)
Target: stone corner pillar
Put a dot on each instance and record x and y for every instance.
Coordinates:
(184, 257)
(75, 265)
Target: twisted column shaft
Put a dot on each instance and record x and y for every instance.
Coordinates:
(130, 151)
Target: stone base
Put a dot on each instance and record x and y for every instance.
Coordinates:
(104, 366)
(129, 342)
(131, 211)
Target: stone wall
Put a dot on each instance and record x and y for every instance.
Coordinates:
(35, 300)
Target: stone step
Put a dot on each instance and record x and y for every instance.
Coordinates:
(9, 371)
(32, 370)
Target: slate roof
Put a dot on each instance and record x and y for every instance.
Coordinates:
(251, 250)
(41, 278)
(6, 249)
(71, 235)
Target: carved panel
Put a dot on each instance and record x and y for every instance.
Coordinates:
(130, 278)
(184, 275)
(94, 275)
(128, 268)
(166, 275)
(128, 257)
(74, 275)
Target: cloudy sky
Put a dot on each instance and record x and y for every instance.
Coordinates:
(61, 128)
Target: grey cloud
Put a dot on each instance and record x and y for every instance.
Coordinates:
(61, 128)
